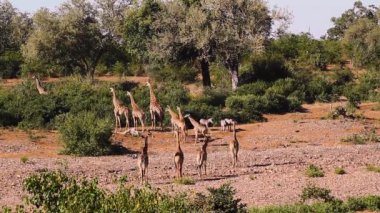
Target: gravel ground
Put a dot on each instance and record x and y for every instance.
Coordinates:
(271, 168)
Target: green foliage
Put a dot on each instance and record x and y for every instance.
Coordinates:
(24, 159)
(184, 181)
(371, 203)
(339, 171)
(355, 139)
(314, 171)
(257, 88)
(10, 62)
(219, 200)
(314, 192)
(373, 168)
(265, 67)
(165, 73)
(56, 192)
(85, 134)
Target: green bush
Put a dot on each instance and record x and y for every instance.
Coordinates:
(184, 181)
(339, 171)
(318, 89)
(10, 62)
(371, 203)
(314, 171)
(219, 200)
(85, 134)
(166, 73)
(56, 192)
(373, 168)
(266, 67)
(314, 192)
(257, 88)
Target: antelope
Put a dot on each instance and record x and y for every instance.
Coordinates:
(202, 157)
(178, 157)
(234, 147)
(143, 160)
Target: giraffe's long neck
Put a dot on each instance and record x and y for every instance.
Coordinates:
(180, 114)
(153, 98)
(133, 103)
(192, 121)
(172, 113)
(114, 99)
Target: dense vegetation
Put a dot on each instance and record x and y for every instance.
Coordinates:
(56, 192)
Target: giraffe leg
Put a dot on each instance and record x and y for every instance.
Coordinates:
(152, 118)
(126, 120)
(142, 123)
(134, 123)
(205, 168)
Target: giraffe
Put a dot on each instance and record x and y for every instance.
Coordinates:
(155, 108)
(143, 160)
(178, 157)
(40, 89)
(198, 128)
(202, 157)
(181, 118)
(174, 117)
(234, 147)
(136, 113)
(119, 110)
(176, 123)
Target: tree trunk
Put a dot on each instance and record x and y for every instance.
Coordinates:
(233, 68)
(205, 73)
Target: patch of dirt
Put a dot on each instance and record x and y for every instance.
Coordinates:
(272, 158)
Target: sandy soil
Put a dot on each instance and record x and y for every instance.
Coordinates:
(271, 166)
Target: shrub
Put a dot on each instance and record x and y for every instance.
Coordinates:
(24, 159)
(184, 181)
(340, 171)
(314, 192)
(318, 89)
(373, 168)
(257, 88)
(355, 139)
(167, 73)
(85, 134)
(267, 67)
(219, 200)
(55, 192)
(314, 171)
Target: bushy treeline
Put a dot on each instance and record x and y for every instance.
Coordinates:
(167, 41)
(54, 191)
(57, 192)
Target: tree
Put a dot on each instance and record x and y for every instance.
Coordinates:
(349, 17)
(14, 28)
(138, 31)
(75, 38)
(238, 27)
(209, 29)
(362, 43)
(183, 36)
